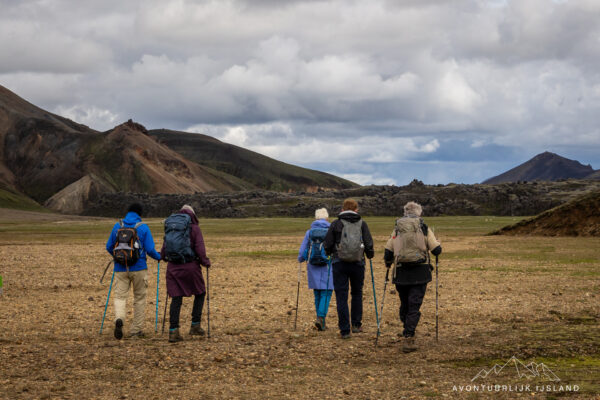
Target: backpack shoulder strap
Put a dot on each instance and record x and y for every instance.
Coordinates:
(121, 223)
(137, 225)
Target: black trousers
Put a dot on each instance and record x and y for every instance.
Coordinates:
(411, 298)
(343, 273)
(175, 309)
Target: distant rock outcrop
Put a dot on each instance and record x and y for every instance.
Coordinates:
(579, 217)
(503, 199)
(545, 167)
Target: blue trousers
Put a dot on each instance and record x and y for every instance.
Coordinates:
(322, 298)
(344, 273)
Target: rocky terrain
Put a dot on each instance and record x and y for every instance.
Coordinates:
(578, 217)
(524, 198)
(499, 297)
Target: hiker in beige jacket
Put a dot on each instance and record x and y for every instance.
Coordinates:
(407, 251)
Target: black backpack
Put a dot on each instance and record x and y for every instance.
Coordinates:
(127, 247)
(178, 248)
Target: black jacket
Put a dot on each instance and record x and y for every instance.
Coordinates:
(334, 234)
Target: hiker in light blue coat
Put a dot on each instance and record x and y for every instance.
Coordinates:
(320, 278)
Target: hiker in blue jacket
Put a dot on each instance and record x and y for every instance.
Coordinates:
(320, 278)
(135, 275)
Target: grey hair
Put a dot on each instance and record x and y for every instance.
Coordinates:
(412, 208)
(189, 208)
(321, 213)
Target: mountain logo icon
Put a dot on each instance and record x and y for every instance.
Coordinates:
(531, 370)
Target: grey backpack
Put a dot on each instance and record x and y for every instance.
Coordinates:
(351, 247)
(177, 240)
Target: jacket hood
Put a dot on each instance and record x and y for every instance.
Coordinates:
(320, 223)
(132, 218)
(349, 216)
(191, 214)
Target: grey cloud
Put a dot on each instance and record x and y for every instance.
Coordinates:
(514, 73)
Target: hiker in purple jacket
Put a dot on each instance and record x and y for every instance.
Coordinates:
(320, 278)
(185, 280)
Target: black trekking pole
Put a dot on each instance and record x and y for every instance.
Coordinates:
(298, 294)
(374, 297)
(207, 304)
(387, 274)
(165, 313)
(436, 298)
(105, 269)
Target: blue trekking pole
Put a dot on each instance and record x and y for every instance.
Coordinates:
(156, 313)
(374, 296)
(107, 298)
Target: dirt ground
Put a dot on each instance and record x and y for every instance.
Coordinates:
(533, 298)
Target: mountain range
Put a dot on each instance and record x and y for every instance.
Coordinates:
(60, 163)
(546, 167)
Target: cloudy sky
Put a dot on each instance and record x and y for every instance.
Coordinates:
(376, 91)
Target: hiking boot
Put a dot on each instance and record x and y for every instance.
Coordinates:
(320, 323)
(409, 345)
(356, 329)
(174, 336)
(196, 330)
(137, 335)
(346, 335)
(119, 329)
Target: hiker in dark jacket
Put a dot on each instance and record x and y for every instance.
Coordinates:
(185, 280)
(352, 271)
(135, 275)
(411, 278)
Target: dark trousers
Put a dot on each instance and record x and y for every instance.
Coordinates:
(411, 298)
(343, 273)
(176, 308)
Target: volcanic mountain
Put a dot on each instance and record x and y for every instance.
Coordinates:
(260, 171)
(546, 167)
(51, 159)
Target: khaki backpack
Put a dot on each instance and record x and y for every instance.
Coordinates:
(409, 242)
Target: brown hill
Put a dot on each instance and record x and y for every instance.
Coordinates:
(578, 217)
(46, 156)
(51, 159)
(544, 167)
(256, 169)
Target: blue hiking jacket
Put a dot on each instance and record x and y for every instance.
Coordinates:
(319, 277)
(146, 242)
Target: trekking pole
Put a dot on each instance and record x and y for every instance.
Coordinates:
(105, 269)
(436, 298)
(387, 274)
(156, 313)
(297, 294)
(107, 298)
(207, 304)
(165, 313)
(374, 297)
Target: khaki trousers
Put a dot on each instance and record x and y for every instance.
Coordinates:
(139, 281)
